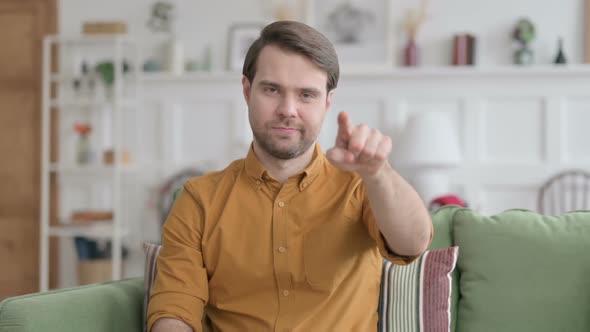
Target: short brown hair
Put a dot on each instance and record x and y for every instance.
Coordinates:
(298, 38)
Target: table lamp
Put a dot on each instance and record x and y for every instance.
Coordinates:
(429, 148)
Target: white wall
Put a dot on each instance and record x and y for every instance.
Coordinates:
(202, 22)
(502, 185)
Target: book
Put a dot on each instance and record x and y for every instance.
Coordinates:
(471, 47)
(91, 215)
(464, 49)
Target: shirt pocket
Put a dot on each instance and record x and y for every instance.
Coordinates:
(333, 250)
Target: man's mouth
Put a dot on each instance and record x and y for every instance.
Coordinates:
(285, 130)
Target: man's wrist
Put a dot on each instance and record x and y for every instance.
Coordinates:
(378, 176)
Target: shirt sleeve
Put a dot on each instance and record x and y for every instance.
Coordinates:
(181, 288)
(371, 224)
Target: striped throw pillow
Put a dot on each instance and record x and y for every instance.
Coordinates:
(417, 297)
(151, 255)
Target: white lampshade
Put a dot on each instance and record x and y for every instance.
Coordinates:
(428, 141)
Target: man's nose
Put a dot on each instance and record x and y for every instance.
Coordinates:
(287, 106)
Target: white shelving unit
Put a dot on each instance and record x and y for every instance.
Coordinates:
(125, 96)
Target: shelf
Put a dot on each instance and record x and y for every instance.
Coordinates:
(89, 103)
(91, 169)
(95, 229)
(130, 78)
(477, 71)
(91, 39)
(61, 97)
(397, 72)
(211, 76)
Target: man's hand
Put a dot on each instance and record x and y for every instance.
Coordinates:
(359, 148)
(399, 212)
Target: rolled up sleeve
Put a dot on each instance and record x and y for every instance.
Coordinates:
(373, 229)
(180, 288)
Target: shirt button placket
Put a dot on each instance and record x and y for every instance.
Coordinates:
(284, 284)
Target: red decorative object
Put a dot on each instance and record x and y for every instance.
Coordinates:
(446, 200)
(82, 128)
(411, 54)
(83, 153)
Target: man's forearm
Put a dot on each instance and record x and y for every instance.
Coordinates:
(170, 325)
(401, 216)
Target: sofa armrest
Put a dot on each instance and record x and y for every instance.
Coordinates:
(111, 306)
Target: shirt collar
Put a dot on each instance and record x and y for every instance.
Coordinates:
(254, 167)
(317, 161)
(256, 170)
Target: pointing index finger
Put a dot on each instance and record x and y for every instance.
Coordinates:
(344, 125)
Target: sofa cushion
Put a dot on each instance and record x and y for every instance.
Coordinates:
(442, 219)
(417, 297)
(521, 271)
(443, 228)
(151, 251)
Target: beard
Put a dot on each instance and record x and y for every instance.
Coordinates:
(283, 147)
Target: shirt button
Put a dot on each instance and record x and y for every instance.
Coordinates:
(258, 182)
(304, 184)
(281, 204)
(286, 293)
(282, 249)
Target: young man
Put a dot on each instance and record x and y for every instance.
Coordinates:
(288, 239)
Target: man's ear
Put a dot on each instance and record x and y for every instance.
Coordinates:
(246, 87)
(329, 100)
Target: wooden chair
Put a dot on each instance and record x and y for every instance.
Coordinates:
(566, 191)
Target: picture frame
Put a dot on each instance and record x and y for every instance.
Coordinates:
(240, 38)
(360, 30)
(587, 32)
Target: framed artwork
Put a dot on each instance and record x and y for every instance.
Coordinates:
(361, 30)
(240, 38)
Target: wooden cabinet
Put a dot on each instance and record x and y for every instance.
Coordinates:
(23, 23)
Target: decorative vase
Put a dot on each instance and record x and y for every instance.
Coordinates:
(411, 53)
(524, 56)
(83, 154)
(524, 33)
(175, 56)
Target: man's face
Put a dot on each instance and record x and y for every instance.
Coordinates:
(287, 102)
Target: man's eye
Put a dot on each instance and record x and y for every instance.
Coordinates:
(270, 89)
(307, 96)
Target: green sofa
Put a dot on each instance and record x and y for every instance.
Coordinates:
(517, 271)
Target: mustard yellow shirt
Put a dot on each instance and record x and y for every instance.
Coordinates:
(257, 256)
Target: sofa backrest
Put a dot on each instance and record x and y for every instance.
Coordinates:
(112, 306)
(522, 271)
